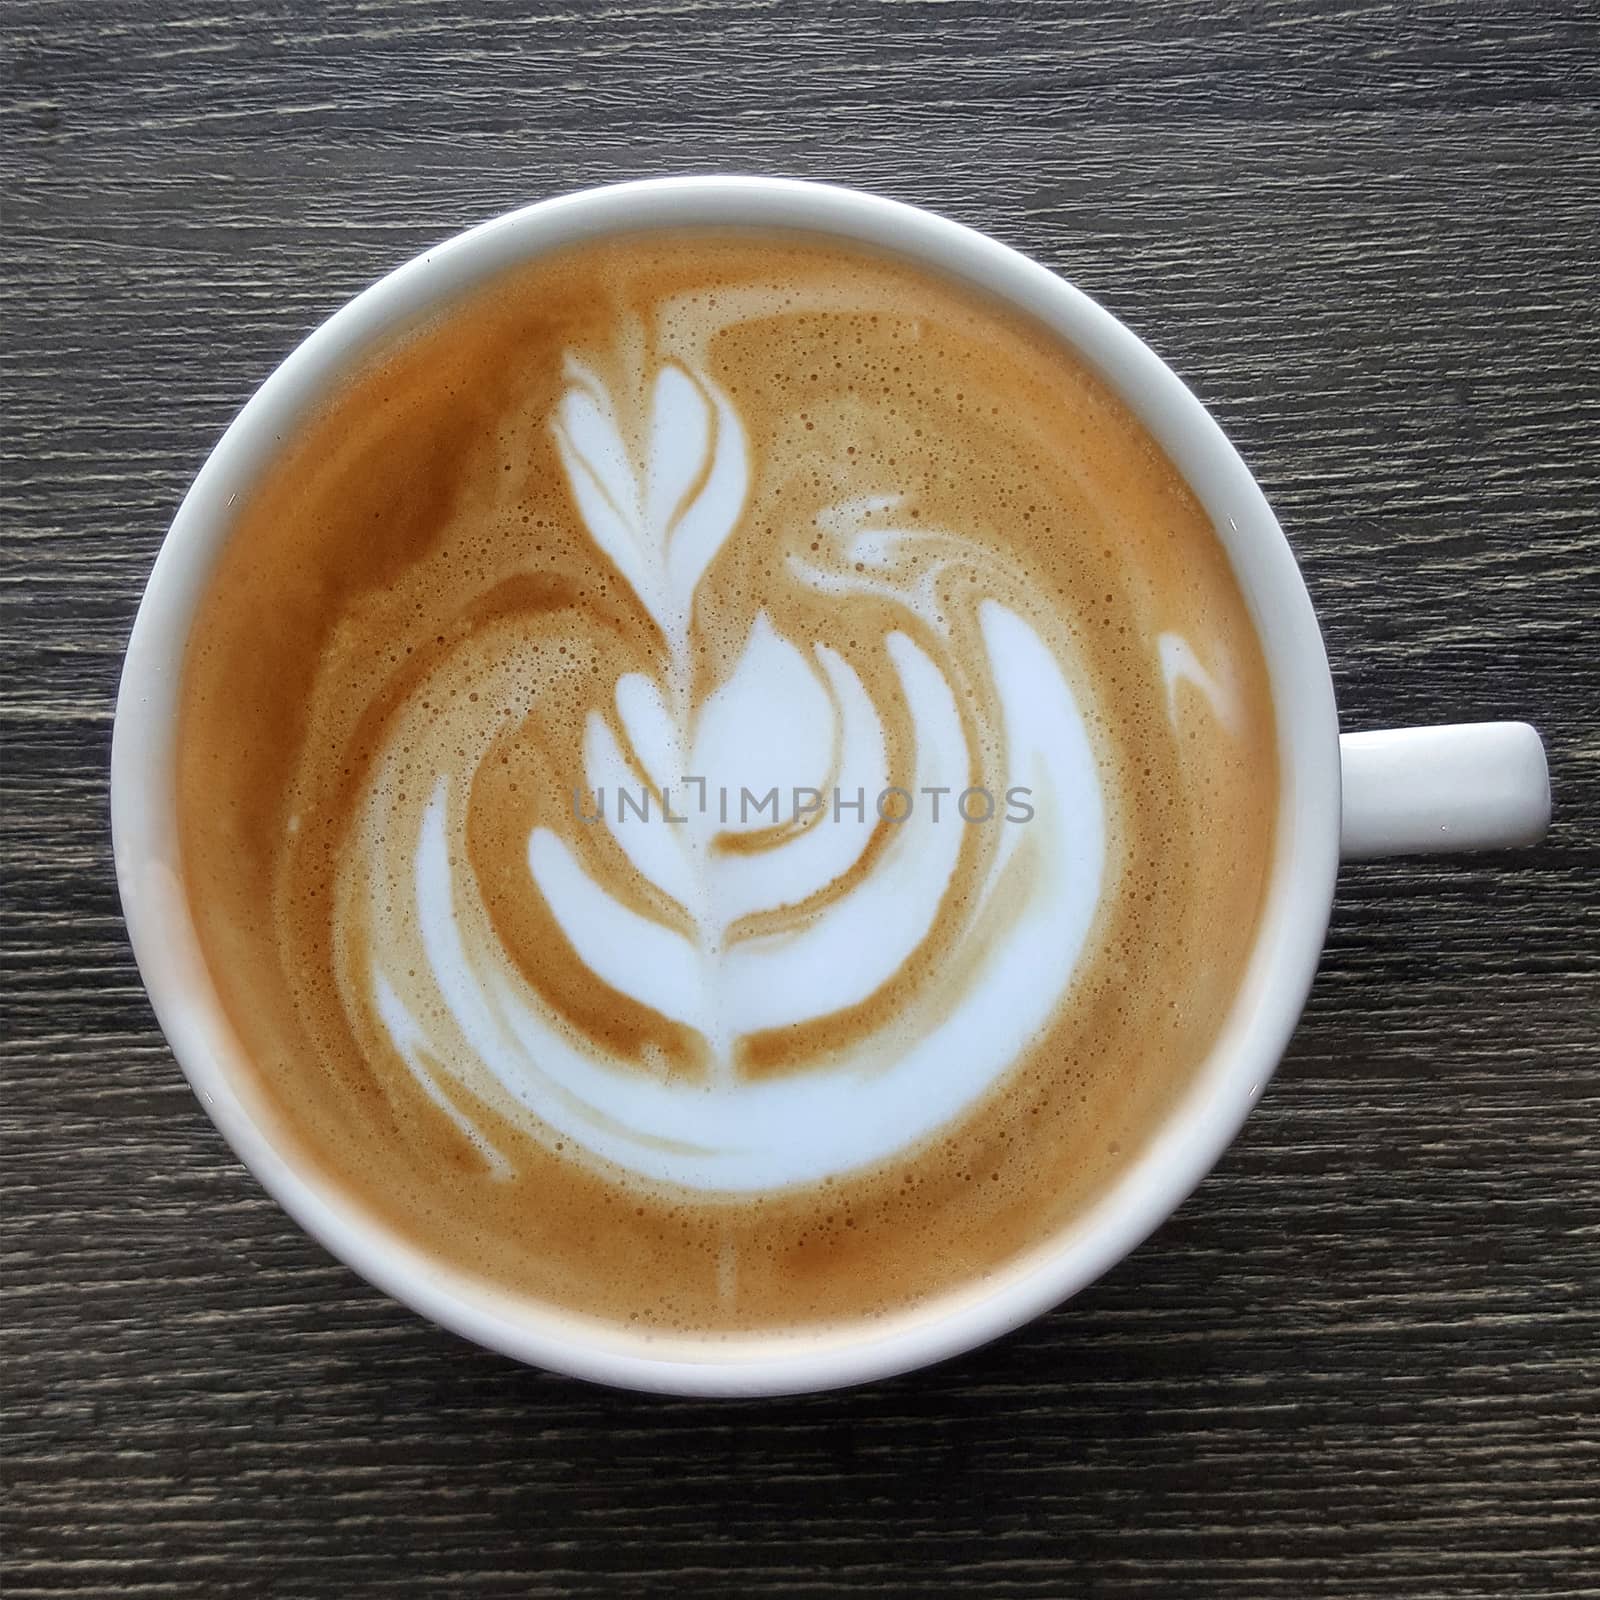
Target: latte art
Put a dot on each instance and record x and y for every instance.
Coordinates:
(746, 928)
(742, 768)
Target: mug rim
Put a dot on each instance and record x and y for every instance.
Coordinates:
(1194, 1132)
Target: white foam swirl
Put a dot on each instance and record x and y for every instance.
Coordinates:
(795, 925)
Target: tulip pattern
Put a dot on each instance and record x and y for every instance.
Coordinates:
(737, 926)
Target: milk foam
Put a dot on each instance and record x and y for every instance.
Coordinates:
(752, 532)
(793, 927)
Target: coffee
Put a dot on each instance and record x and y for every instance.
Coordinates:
(725, 783)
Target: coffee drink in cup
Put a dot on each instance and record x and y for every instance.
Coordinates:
(725, 784)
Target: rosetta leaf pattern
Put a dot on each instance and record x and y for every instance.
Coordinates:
(781, 720)
(696, 919)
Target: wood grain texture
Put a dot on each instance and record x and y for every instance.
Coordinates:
(1361, 1360)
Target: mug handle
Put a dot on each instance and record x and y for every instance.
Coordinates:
(1466, 786)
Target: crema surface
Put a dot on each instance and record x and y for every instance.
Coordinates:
(725, 783)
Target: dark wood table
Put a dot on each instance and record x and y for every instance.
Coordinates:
(1361, 1360)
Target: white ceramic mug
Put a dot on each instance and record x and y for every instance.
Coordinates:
(1446, 788)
